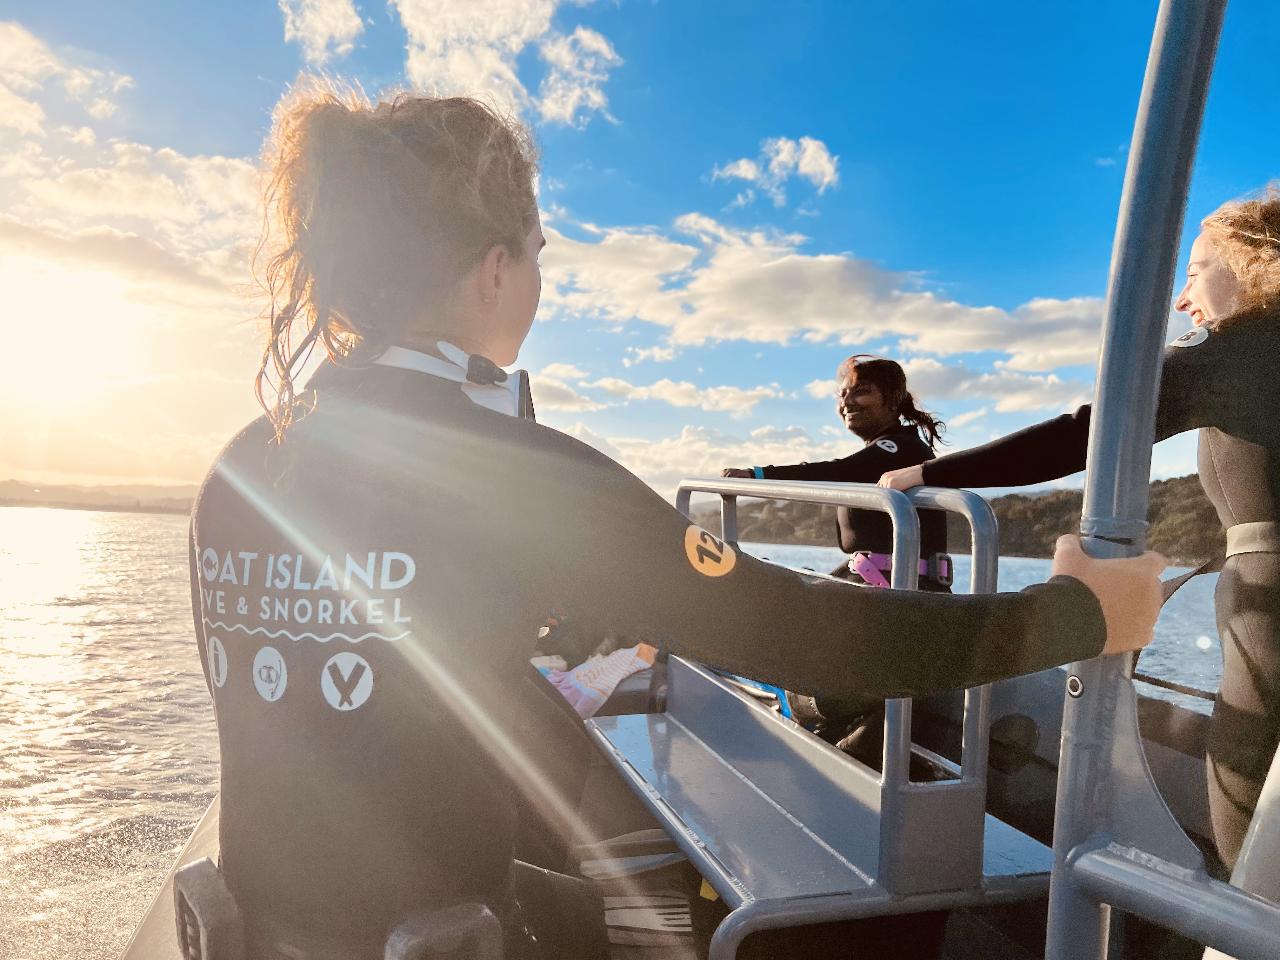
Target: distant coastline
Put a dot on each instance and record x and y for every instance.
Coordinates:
(99, 507)
(1184, 526)
(121, 498)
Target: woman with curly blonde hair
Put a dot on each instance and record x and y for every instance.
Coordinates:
(373, 558)
(1222, 377)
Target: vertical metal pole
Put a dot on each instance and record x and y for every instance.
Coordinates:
(729, 518)
(1090, 809)
(903, 575)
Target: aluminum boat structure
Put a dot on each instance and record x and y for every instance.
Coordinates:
(788, 832)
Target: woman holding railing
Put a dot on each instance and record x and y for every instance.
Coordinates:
(1222, 377)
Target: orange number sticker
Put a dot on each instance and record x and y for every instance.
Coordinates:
(709, 556)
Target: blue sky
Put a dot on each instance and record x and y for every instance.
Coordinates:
(737, 196)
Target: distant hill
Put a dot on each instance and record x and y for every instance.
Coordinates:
(1184, 526)
(141, 498)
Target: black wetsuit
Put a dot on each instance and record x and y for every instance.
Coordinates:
(1228, 385)
(871, 530)
(368, 595)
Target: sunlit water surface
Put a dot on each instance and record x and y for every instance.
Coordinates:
(108, 753)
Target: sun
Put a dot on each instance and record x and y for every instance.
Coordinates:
(69, 333)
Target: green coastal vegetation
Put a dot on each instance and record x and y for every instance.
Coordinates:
(1184, 526)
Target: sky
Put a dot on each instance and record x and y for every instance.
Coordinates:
(736, 197)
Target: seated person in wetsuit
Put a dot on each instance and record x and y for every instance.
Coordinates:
(874, 404)
(372, 559)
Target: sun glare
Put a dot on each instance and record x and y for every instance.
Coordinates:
(71, 333)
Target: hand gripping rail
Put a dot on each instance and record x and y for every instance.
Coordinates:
(786, 828)
(1115, 842)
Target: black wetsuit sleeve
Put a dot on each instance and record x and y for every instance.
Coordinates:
(627, 563)
(1049, 450)
(865, 466)
(1057, 448)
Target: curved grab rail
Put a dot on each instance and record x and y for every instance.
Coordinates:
(901, 507)
(906, 525)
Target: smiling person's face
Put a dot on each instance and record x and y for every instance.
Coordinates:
(1212, 292)
(862, 407)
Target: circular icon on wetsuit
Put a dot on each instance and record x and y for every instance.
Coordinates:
(346, 681)
(209, 564)
(888, 445)
(709, 556)
(269, 674)
(217, 659)
(1192, 337)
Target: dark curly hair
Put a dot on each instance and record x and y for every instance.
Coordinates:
(889, 377)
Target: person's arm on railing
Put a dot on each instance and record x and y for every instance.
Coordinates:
(664, 580)
(1190, 397)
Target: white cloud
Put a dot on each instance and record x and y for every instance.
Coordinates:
(781, 159)
(198, 207)
(706, 282)
(969, 416)
(80, 136)
(325, 28)
(931, 382)
(702, 452)
(473, 47)
(641, 354)
(737, 401)
(550, 393)
(28, 65)
(20, 114)
(578, 67)
(821, 389)
(792, 434)
(563, 371)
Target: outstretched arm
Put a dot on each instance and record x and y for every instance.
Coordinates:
(864, 466)
(1047, 451)
(1190, 397)
(667, 581)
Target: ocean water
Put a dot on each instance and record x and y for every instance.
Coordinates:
(108, 752)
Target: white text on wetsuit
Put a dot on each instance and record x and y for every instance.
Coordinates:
(364, 586)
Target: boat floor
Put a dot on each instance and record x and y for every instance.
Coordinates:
(1010, 932)
(1006, 932)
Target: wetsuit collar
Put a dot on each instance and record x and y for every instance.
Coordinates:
(886, 433)
(501, 394)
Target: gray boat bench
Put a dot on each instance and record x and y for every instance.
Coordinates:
(789, 830)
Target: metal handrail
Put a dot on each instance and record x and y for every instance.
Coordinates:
(1115, 841)
(863, 496)
(975, 742)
